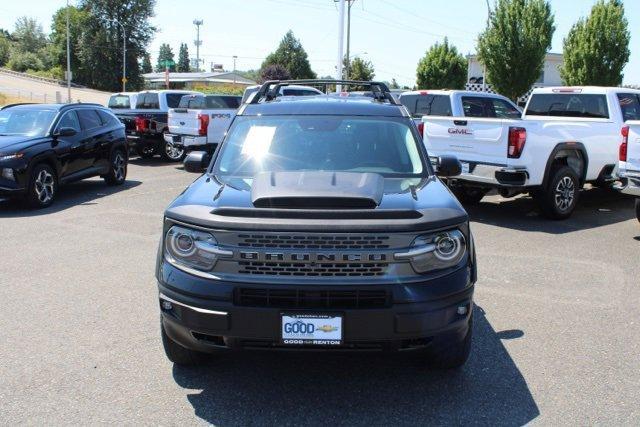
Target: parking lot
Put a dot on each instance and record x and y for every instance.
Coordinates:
(556, 332)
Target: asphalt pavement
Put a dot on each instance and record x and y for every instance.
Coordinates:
(556, 334)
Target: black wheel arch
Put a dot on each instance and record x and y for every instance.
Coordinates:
(47, 157)
(576, 147)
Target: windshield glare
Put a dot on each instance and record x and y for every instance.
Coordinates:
(382, 145)
(25, 122)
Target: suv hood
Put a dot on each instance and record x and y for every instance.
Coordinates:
(402, 204)
(13, 143)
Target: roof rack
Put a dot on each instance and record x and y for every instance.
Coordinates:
(269, 89)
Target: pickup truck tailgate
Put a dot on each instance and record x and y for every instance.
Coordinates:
(184, 122)
(470, 139)
(633, 147)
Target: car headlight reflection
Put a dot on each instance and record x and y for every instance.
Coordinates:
(195, 249)
(435, 252)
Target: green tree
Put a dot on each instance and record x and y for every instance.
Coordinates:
(514, 45)
(23, 61)
(292, 56)
(360, 69)
(146, 63)
(5, 50)
(442, 67)
(165, 57)
(77, 21)
(28, 35)
(394, 84)
(597, 48)
(273, 72)
(183, 59)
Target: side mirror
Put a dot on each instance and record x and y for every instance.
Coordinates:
(65, 131)
(197, 161)
(449, 166)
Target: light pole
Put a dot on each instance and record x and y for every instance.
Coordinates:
(484, 67)
(350, 2)
(340, 43)
(198, 42)
(68, 59)
(234, 68)
(124, 54)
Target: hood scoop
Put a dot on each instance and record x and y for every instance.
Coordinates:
(317, 190)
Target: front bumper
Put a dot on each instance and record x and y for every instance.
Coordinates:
(414, 314)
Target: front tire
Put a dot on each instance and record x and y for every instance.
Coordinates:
(451, 351)
(172, 152)
(43, 187)
(560, 197)
(117, 169)
(178, 354)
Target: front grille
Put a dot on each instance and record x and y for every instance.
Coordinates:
(298, 298)
(312, 270)
(313, 242)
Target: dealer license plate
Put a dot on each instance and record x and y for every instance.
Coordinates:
(465, 167)
(311, 329)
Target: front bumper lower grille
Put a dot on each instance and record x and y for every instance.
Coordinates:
(313, 242)
(297, 298)
(313, 269)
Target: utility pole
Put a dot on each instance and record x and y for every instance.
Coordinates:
(198, 42)
(124, 54)
(484, 67)
(348, 64)
(234, 68)
(340, 43)
(68, 59)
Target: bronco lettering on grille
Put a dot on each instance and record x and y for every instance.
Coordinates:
(306, 257)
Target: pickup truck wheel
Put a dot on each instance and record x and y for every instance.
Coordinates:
(469, 195)
(451, 351)
(43, 186)
(638, 209)
(146, 151)
(179, 354)
(171, 152)
(117, 169)
(560, 197)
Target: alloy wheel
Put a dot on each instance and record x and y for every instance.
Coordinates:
(119, 167)
(173, 152)
(44, 186)
(565, 193)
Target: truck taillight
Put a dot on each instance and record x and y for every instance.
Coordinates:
(142, 124)
(517, 139)
(421, 129)
(622, 154)
(203, 119)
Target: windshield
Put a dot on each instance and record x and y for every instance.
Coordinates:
(382, 145)
(25, 122)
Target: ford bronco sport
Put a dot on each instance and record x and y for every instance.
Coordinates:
(318, 224)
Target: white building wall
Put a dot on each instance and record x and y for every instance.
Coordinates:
(551, 68)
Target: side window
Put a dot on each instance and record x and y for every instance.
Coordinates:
(629, 106)
(504, 110)
(148, 101)
(441, 106)
(475, 106)
(69, 120)
(89, 119)
(107, 118)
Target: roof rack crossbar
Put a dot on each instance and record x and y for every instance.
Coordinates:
(269, 89)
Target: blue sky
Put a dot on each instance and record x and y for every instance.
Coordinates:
(392, 34)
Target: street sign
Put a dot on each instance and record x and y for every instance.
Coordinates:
(124, 80)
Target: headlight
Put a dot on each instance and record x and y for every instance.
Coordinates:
(11, 156)
(435, 252)
(185, 247)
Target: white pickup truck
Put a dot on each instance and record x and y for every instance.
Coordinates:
(629, 166)
(200, 121)
(567, 136)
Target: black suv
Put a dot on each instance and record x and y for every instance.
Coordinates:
(318, 224)
(43, 146)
